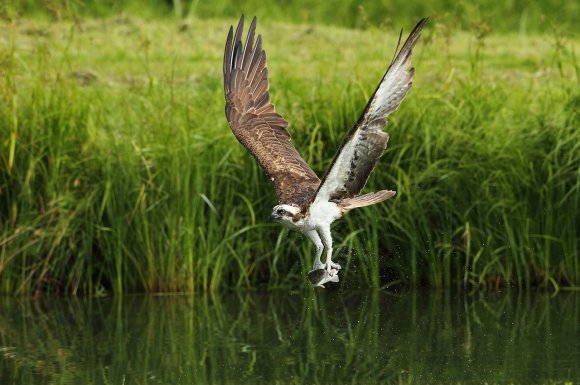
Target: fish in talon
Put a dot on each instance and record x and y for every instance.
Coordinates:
(319, 277)
(307, 203)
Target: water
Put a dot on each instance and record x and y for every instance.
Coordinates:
(314, 337)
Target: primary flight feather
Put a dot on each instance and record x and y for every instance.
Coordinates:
(306, 203)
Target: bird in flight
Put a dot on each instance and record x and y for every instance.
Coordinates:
(307, 203)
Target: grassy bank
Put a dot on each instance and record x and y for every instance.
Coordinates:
(118, 171)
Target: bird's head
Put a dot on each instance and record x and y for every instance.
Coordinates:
(285, 214)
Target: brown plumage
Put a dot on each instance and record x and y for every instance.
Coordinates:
(364, 144)
(255, 122)
(264, 132)
(306, 204)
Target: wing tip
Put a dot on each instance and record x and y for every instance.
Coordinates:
(419, 26)
(227, 49)
(236, 52)
(406, 50)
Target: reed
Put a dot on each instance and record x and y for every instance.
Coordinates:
(118, 172)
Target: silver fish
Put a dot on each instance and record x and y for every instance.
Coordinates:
(319, 277)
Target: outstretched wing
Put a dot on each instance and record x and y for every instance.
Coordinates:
(364, 144)
(255, 122)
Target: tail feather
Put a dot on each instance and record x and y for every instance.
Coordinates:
(366, 199)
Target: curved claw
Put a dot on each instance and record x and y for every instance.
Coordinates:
(331, 265)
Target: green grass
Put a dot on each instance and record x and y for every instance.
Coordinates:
(519, 16)
(118, 171)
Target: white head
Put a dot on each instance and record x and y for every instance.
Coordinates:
(285, 214)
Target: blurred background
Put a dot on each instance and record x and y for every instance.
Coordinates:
(547, 16)
(119, 172)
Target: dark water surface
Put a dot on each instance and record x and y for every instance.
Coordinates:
(320, 337)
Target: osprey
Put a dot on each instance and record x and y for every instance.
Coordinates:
(306, 203)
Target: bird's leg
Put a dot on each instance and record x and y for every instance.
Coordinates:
(327, 240)
(315, 238)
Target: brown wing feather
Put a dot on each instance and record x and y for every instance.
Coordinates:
(364, 144)
(255, 122)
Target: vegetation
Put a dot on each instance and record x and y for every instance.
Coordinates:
(509, 16)
(315, 337)
(118, 171)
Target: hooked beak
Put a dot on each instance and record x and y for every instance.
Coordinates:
(275, 217)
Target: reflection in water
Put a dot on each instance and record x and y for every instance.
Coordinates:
(313, 337)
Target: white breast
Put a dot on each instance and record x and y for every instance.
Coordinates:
(323, 213)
